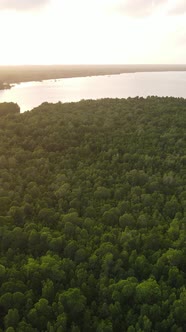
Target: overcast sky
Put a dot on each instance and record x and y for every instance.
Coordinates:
(92, 31)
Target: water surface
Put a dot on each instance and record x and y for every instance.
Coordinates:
(31, 94)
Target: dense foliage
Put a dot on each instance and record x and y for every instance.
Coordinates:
(9, 108)
(92, 223)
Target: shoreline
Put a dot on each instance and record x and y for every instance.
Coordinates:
(10, 75)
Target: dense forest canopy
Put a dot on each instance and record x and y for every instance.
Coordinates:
(92, 217)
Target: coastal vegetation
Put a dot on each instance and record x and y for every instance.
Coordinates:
(92, 216)
(8, 109)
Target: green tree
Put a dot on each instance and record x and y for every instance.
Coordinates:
(12, 318)
(74, 302)
(148, 291)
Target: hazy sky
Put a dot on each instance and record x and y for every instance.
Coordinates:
(92, 31)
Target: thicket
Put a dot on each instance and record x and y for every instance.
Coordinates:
(8, 108)
(92, 217)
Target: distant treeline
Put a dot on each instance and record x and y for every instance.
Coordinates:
(16, 74)
(92, 217)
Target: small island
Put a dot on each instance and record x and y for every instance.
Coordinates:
(4, 86)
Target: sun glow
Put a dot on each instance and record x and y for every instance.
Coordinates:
(89, 32)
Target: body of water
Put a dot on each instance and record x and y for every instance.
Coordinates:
(31, 94)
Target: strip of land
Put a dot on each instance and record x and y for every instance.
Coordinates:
(15, 74)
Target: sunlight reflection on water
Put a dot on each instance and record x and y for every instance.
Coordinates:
(31, 94)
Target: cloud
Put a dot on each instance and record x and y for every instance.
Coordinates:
(143, 8)
(179, 8)
(139, 8)
(22, 5)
